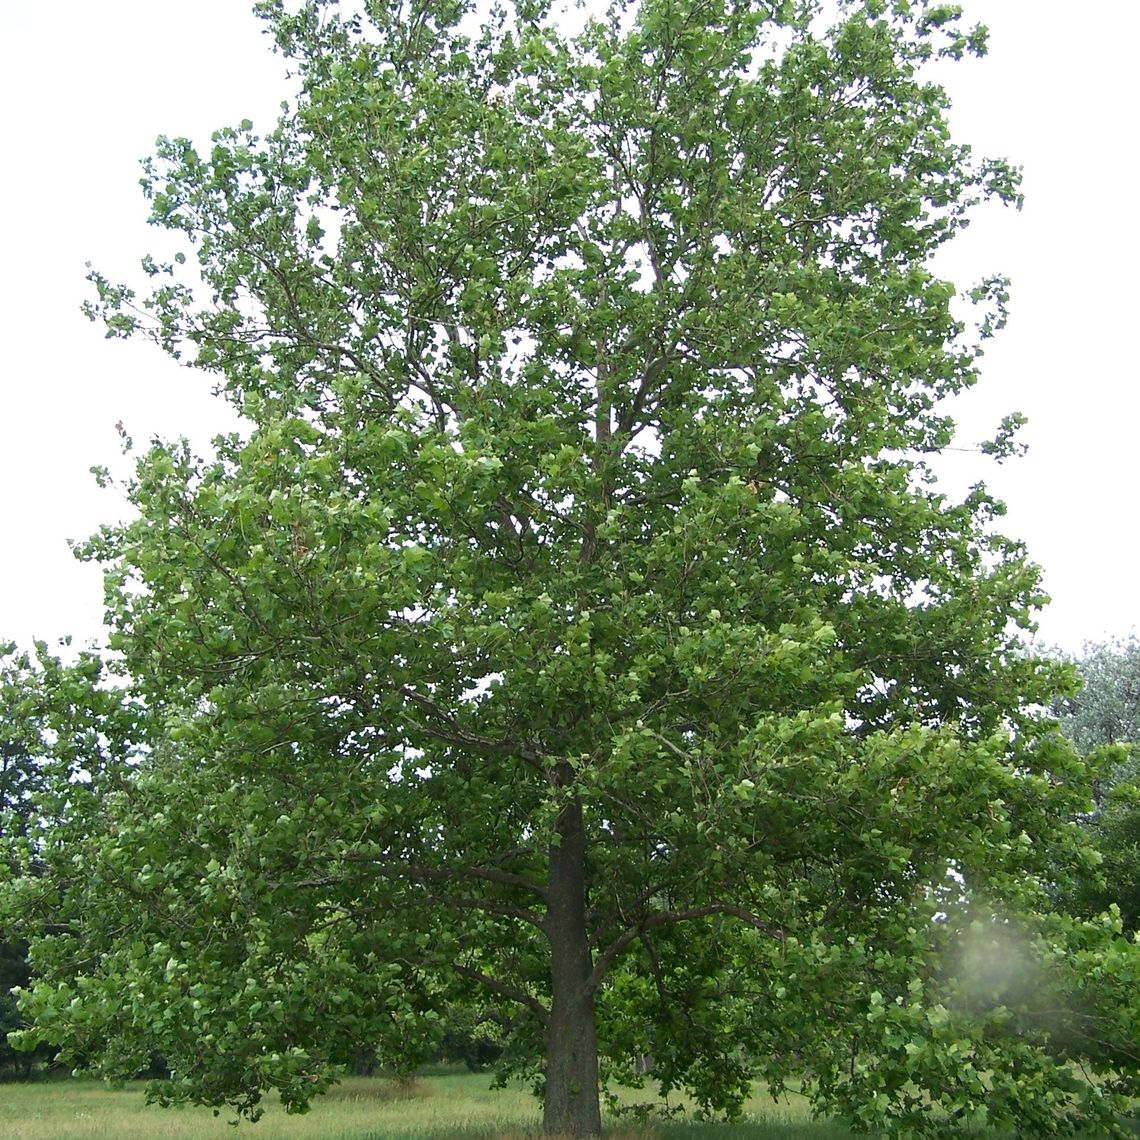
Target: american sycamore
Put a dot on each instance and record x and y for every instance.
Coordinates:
(576, 630)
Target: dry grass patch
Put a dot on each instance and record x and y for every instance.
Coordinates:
(380, 1089)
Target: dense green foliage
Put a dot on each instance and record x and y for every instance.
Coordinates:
(1106, 709)
(1115, 832)
(1104, 715)
(17, 780)
(577, 626)
(24, 720)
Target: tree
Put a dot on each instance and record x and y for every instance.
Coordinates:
(47, 709)
(1102, 716)
(1115, 832)
(577, 624)
(18, 778)
(1106, 710)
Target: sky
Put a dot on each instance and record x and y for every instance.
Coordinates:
(85, 89)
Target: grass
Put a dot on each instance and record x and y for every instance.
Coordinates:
(444, 1106)
(452, 1105)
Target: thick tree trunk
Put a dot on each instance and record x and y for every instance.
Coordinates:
(571, 1106)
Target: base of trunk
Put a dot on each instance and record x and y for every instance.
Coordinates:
(571, 1104)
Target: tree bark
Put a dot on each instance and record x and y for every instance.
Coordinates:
(571, 1106)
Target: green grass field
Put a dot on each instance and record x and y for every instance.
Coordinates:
(434, 1108)
(446, 1106)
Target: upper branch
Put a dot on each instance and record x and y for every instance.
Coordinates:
(419, 871)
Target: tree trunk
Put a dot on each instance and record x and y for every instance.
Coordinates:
(571, 1106)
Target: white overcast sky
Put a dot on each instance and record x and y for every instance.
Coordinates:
(86, 87)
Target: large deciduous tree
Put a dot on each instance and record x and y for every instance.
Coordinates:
(577, 624)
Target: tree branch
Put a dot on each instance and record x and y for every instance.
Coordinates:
(420, 871)
(503, 990)
(490, 906)
(664, 918)
(455, 734)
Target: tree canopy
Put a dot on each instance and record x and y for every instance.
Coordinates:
(52, 719)
(20, 777)
(1106, 709)
(1103, 719)
(577, 625)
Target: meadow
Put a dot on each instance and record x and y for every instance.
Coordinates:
(437, 1107)
(445, 1105)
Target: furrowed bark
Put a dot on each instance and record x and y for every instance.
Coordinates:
(571, 1106)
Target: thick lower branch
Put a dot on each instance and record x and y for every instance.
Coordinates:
(506, 991)
(663, 918)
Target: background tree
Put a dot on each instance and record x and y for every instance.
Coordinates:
(1106, 709)
(19, 776)
(1106, 712)
(51, 720)
(576, 624)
